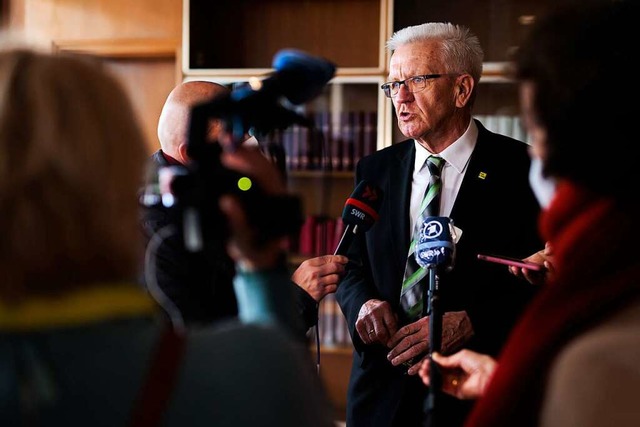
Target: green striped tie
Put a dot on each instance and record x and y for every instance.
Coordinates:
(411, 295)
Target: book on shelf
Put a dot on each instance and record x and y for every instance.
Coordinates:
(319, 235)
(307, 236)
(335, 145)
(357, 123)
(370, 132)
(326, 320)
(346, 136)
(332, 324)
(321, 138)
(290, 146)
(300, 148)
(320, 241)
(330, 242)
(338, 231)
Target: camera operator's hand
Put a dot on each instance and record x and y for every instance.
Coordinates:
(245, 247)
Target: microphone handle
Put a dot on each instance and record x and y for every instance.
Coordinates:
(346, 239)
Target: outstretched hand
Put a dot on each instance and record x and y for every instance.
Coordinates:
(543, 257)
(412, 341)
(465, 374)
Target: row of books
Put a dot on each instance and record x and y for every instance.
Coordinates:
(335, 143)
(319, 235)
(332, 326)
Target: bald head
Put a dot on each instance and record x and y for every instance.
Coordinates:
(174, 118)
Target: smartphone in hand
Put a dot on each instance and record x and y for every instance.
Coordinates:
(515, 262)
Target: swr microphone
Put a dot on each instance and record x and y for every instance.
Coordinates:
(435, 247)
(360, 213)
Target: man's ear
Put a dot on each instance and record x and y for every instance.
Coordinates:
(464, 87)
(182, 153)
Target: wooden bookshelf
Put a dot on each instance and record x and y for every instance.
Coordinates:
(335, 368)
(352, 34)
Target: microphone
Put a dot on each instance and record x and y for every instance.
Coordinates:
(435, 250)
(360, 213)
(298, 76)
(436, 247)
(259, 105)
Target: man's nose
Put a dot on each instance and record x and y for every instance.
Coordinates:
(403, 94)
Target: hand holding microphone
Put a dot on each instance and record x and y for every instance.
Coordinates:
(321, 275)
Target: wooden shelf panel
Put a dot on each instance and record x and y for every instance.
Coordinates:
(321, 174)
(121, 48)
(260, 28)
(335, 369)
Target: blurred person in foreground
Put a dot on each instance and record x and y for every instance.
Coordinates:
(434, 73)
(572, 360)
(80, 342)
(197, 286)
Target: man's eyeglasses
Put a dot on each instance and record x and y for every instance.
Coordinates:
(413, 84)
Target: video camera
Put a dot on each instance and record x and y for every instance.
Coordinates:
(260, 107)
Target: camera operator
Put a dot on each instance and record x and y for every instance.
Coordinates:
(192, 285)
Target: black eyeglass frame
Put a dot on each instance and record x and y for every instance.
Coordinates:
(386, 87)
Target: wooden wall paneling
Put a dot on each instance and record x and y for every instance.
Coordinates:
(101, 19)
(146, 68)
(148, 82)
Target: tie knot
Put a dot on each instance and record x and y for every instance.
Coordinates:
(435, 164)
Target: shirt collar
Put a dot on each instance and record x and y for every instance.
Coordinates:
(457, 154)
(172, 161)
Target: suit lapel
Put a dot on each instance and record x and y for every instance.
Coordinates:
(399, 190)
(474, 184)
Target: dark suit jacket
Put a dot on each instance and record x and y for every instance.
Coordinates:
(497, 213)
(200, 285)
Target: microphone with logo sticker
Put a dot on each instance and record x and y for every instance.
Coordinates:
(359, 214)
(435, 250)
(436, 246)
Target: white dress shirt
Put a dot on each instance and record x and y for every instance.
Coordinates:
(457, 157)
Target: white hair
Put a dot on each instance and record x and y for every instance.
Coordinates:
(460, 48)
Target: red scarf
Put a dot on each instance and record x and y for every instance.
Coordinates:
(597, 264)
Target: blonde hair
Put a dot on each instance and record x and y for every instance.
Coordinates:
(71, 161)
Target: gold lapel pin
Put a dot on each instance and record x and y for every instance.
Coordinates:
(482, 175)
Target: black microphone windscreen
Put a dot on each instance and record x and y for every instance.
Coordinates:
(361, 208)
(302, 76)
(436, 246)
